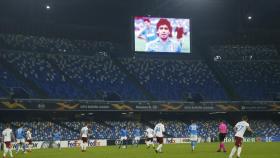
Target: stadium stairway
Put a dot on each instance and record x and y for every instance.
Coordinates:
(3, 89)
(232, 95)
(65, 126)
(133, 79)
(277, 46)
(82, 89)
(104, 123)
(39, 91)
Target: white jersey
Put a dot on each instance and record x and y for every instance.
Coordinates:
(159, 129)
(241, 128)
(28, 135)
(84, 131)
(7, 135)
(149, 133)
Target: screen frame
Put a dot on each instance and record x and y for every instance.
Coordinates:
(149, 16)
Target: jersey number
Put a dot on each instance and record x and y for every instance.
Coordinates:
(157, 129)
(239, 128)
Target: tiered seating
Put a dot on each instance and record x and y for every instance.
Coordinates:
(252, 80)
(173, 79)
(245, 52)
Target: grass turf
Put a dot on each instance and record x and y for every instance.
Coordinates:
(203, 150)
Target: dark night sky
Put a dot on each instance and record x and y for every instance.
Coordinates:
(105, 19)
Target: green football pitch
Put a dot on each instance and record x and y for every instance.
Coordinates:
(203, 150)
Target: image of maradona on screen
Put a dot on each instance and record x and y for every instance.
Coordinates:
(153, 34)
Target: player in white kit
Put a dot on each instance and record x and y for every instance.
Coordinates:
(29, 140)
(158, 130)
(149, 133)
(8, 137)
(240, 129)
(84, 137)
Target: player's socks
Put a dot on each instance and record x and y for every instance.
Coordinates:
(24, 148)
(220, 147)
(10, 152)
(58, 146)
(223, 146)
(239, 149)
(29, 148)
(120, 144)
(233, 150)
(159, 147)
(125, 143)
(85, 146)
(5, 152)
(82, 146)
(17, 148)
(193, 145)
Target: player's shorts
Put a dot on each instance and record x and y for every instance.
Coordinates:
(193, 137)
(20, 140)
(149, 139)
(57, 142)
(84, 139)
(238, 141)
(222, 136)
(29, 141)
(123, 138)
(7, 145)
(137, 138)
(160, 140)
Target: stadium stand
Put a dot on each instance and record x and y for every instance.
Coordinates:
(58, 67)
(173, 79)
(70, 130)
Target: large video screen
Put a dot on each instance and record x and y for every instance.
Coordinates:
(154, 34)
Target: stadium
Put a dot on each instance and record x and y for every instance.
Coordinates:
(134, 79)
